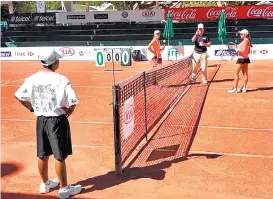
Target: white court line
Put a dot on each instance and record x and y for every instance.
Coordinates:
(202, 126)
(103, 87)
(232, 154)
(253, 71)
(236, 128)
(224, 127)
(81, 71)
(92, 87)
(12, 82)
(191, 152)
(74, 145)
(76, 122)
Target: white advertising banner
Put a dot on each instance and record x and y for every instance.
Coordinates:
(140, 15)
(128, 118)
(110, 16)
(258, 52)
(32, 53)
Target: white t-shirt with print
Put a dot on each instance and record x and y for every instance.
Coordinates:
(48, 92)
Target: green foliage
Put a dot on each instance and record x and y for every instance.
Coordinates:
(24, 6)
(30, 6)
(91, 3)
(119, 5)
(4, 12)
(214, 3)
(53, 5)
(199, 3)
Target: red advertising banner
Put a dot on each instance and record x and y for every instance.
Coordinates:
(213, 13)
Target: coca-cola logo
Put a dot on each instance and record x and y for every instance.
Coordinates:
(148, 13)
(260, 12)
(67, 51)
(213, 13)
(230, 12)
(187, 14)
(129, 114)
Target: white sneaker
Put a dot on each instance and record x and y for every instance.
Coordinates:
(46, 186)
(205, 82)
(69, 190)
(243, 90)
(234, 90)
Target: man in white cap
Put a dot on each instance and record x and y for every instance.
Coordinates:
(52, 99)
(201, 42)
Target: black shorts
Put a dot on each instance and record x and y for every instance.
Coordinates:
(243, 61)
(53, 137)
(157, 60)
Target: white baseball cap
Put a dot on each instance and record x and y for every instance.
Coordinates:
(201, 26)
(50, 57)
(244, 31)
(156, 32)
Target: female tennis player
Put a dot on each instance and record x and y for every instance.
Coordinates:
(242, 62)
(155, 48)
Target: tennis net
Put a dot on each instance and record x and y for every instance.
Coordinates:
(142, 100)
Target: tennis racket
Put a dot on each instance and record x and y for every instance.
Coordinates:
(232, 48)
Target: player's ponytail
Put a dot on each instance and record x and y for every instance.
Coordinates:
(249, 38)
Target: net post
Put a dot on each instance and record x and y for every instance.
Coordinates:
(116, 117)
(145, 106)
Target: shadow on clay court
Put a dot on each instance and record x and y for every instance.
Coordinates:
(9, 169)
(222, 80)
(155, 172)
(261, 89)
(172, 144)
(30, 196)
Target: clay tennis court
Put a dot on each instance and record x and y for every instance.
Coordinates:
(229, 138)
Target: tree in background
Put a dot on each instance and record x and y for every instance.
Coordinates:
(24, 6)
(30, 6)
(4, 12)
(235, 3)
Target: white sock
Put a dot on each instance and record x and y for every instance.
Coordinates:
(47, 182)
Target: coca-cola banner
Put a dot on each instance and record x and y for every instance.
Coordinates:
(213, 13)
(32, 18)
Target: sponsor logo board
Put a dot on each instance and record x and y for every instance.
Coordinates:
(5, 53)
(213, 13)
(67, 52)
(24, 54)
(75, 17)
(100, 16)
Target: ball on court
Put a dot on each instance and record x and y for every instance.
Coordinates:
(164, 41)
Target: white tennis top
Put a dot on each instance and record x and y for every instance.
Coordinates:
(48, 92)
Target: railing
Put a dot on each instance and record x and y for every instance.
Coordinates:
(214, 41)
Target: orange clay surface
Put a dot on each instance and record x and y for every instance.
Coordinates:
(231, 151)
